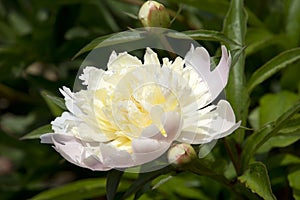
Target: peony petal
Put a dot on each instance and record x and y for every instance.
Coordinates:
(113, 56)
(88, 133)
(150, 131)
(226, 117)
(91, 77)
(146, 149)
(146, 145)
(172, 124)
(124, 62)
(115, 158)
(219, 127)
(92, 163)
(70, 100)
(150, 58)
(217, 79)
(64, 123)
(73, 150)
(46, 138)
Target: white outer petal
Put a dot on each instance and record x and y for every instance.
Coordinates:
(73, 151)
(81, 122)
(217, 79)
(220, 126)
(115, 158)
(62, 124)
(91, 77)
(147, 149)
(225, 122)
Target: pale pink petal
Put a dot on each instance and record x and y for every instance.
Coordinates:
(93, 163)
(150, 131)
(187, 137)
(115, 158)
(146, 149)
(217, 79)
(46, 138)
(172, 123)
(220, 126)
(152, 143)
(73, 151)
(226, 117)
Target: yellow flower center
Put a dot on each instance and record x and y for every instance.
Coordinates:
(125, 113)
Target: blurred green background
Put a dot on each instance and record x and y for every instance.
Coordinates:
(37, 42)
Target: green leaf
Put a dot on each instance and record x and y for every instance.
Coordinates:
(109, 40)
(290, 77)
(293, 22)
(55, 104)
(234, 27)
(83, 189)
(279, 160)
(279, 141)
(254, 118)
(188, 186)
(219, 8)
(144, 178)
(258, 138)
(257, 180)
(35, 134)
(16, 125)
(292, 125)
(274, 105)
(214, 169)
(294, 177)
(273, 66)
(258, 38)
(209, 35)
(112, 183)
(60, 102)
(235, 23)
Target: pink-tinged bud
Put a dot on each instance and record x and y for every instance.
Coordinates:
(154, 14)
(181, 154)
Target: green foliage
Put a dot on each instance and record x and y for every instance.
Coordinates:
(273, 66)
(112, 183)
(42, 44)
(293, 178)
(38, 132)
(256, 178)
(235, 28)
(77, 190)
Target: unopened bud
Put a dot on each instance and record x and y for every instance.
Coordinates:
(154, 14)
(181, 154)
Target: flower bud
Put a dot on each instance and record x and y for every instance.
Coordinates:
(154, 14)
(181, 154)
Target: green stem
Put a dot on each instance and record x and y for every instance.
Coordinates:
(234, 27)
(231, 155)
(196, 166)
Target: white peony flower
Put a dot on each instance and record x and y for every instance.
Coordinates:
(131, 113)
